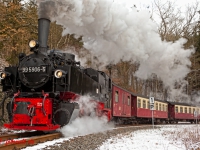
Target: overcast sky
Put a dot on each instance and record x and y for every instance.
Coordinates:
(147, 5)
(148, 2)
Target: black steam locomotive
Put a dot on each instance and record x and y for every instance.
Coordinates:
(44, 85)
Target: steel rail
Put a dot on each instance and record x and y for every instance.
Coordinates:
(6, 137)
(22, 143)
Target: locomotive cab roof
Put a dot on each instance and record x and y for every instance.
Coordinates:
(64, 54)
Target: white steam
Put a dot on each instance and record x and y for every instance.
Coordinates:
(86, 124)
(87, 104)
(112, 32)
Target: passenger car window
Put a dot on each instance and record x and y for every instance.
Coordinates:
(148, 105)
(176, 109)
(144, 104)
(156, 106)
(139, 103)
(190, 110)
(181, 109)
(185, 109)
(128, 100)
(116, 96)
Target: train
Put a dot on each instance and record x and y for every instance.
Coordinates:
(131, 108)
(44, 86)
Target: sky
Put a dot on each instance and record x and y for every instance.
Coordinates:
(149, 2)
(167, 137)
(148, 5)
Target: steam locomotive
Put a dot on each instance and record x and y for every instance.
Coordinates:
(44, 85)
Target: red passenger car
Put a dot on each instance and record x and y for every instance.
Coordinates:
(121, 102)
(128, 107)
(183, 112)
(143, 113)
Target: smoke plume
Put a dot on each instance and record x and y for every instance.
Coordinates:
(112, 32)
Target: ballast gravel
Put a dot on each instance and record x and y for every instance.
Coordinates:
(93, 141)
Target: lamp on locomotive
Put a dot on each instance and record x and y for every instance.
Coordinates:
(33, 45)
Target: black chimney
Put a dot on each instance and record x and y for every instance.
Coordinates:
(43, 32)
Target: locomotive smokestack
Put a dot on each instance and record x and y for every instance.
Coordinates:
(43, 32)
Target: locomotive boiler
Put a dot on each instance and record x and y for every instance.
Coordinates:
(43, 86)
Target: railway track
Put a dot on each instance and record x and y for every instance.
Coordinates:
(137, 125)
(22, 140)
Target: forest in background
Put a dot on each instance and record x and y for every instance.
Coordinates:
(18, 25)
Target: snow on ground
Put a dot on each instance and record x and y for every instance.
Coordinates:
(168, 137)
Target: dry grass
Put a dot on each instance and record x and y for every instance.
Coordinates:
(189, 137)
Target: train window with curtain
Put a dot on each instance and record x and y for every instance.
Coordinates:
(159, 106)
(176, 109)
(190, 110)
(166, 108)
(181, 109)
(193, 110)
(144, 104)
(156, 106)
(186, 110)
(148, 105)
(139, 103)
(116, 96)
(129, 100)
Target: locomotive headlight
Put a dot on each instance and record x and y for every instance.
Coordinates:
(32, 44)
(59, 73)
(3, 75)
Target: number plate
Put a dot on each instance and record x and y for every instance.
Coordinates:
(34, 69)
